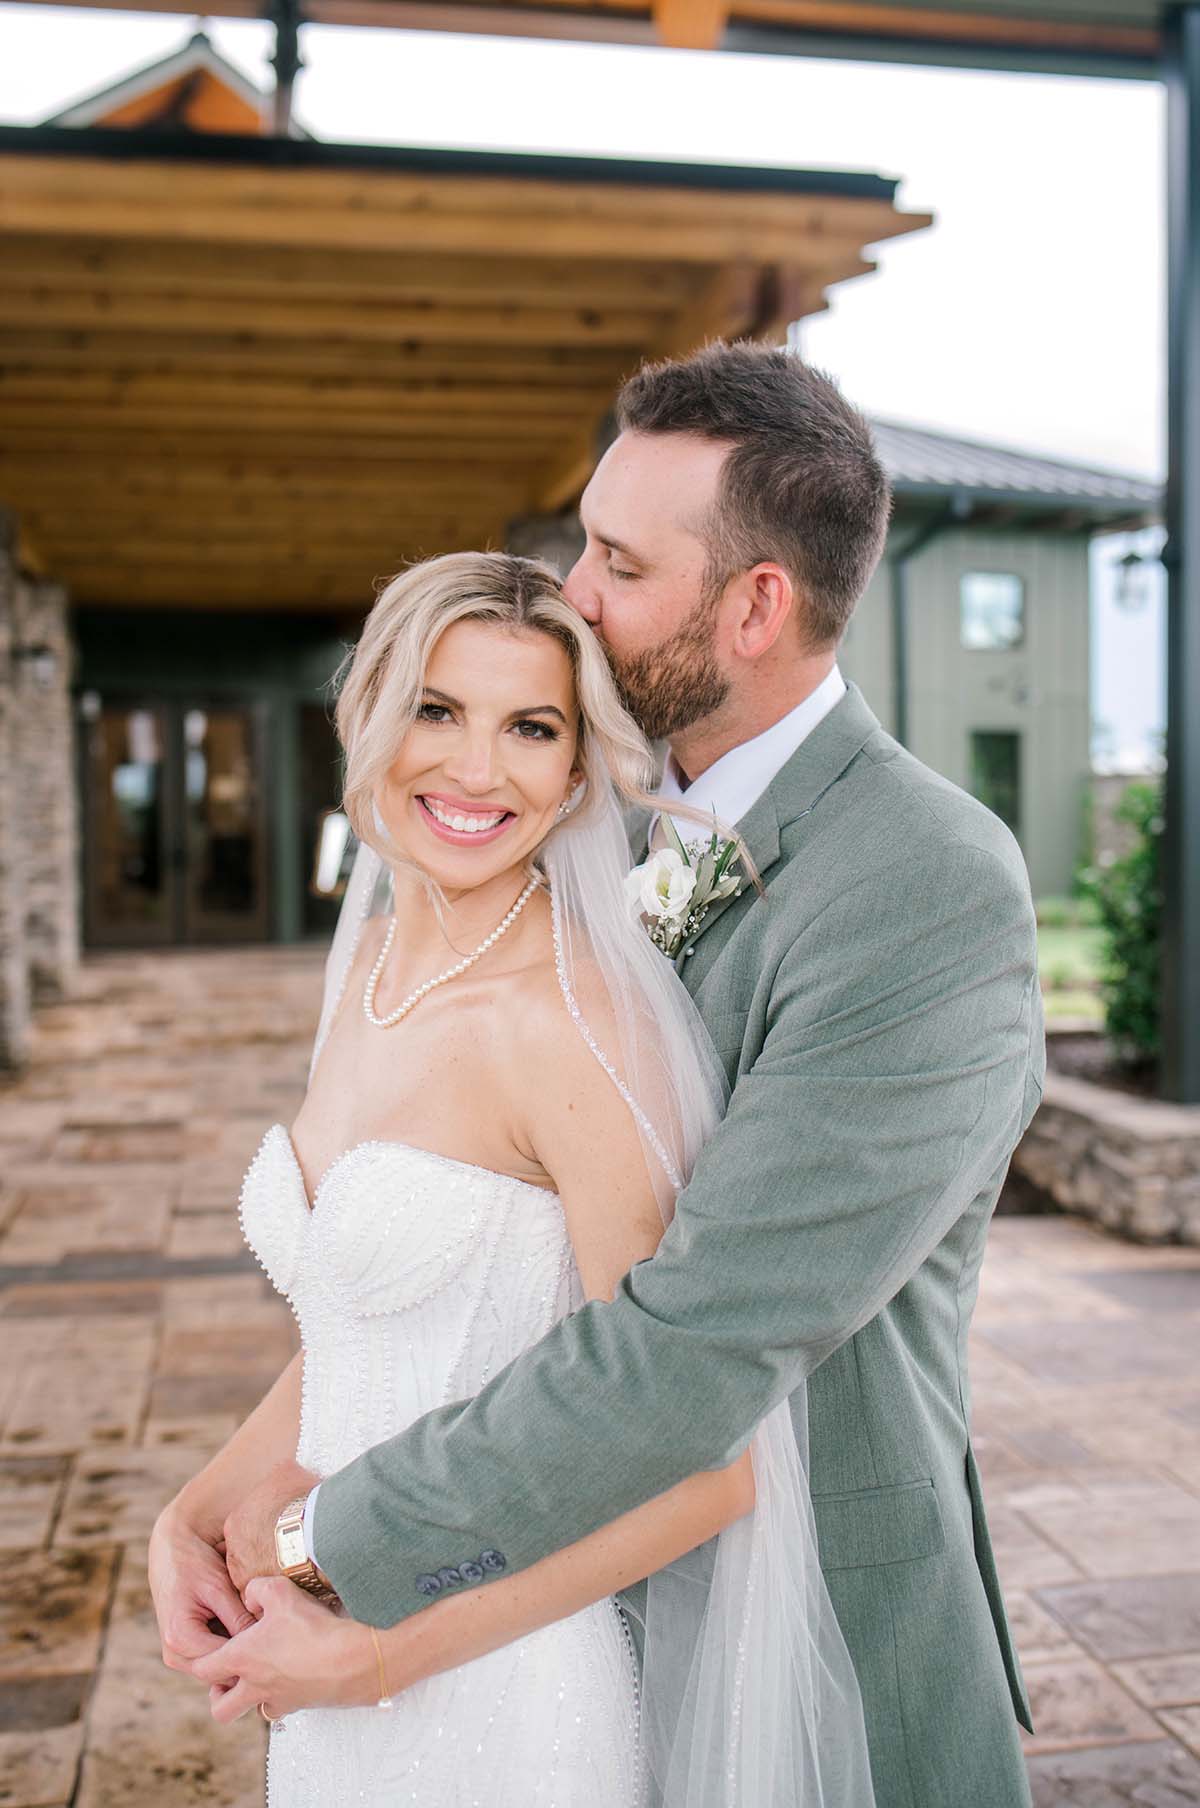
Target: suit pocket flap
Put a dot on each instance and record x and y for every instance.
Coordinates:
(879, 1525)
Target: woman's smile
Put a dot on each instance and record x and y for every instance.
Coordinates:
(464, 824)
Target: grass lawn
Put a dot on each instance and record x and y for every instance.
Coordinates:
(1069, 961)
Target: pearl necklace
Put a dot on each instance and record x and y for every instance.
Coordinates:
(414, 998)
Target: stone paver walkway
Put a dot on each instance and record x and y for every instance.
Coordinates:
(134, 1332)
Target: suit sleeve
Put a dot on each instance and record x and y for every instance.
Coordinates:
(893, 1079)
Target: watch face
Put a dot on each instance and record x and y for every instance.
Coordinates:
(289, 1546)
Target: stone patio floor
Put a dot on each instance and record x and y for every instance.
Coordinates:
(135, 1331)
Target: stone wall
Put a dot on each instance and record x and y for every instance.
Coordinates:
(1131, 1164)
(46, 810)
(39, 887)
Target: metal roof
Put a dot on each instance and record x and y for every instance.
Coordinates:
(924, 463)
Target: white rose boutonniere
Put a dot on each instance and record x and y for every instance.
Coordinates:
(673, 891)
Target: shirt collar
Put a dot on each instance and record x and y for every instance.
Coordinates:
(735, 782)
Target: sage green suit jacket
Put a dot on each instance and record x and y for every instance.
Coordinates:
(879, 1015)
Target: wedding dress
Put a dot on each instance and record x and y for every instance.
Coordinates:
(415, 1278)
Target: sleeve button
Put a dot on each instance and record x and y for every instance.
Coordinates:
(428, 1585)
(449, 1578)
(471, 1571)
(493, 1560)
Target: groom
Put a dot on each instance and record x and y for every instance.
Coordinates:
(879, 1016)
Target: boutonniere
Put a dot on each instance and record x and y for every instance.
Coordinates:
(674, 890)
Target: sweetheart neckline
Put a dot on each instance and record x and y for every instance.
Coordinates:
(387, 1142)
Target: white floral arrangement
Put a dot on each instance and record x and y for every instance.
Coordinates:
(673, 891)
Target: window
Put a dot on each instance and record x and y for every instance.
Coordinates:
(993, 609)
(996, 775)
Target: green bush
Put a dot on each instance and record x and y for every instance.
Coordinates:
(1128, 896)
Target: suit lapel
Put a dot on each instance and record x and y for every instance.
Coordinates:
(796, 790)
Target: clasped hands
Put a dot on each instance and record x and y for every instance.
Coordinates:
(279, 1648)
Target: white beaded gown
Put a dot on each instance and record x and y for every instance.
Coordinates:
(414, 1278)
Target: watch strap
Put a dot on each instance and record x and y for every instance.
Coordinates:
(304, 1573)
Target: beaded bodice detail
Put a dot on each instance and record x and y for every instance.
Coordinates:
(414, 1278)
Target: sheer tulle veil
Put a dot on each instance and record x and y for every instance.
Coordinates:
(749, 1697)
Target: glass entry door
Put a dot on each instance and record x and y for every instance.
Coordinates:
(174, 820)
(224, 898)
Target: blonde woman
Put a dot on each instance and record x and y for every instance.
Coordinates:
(508, 1088)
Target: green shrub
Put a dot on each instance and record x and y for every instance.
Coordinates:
(1128, 896)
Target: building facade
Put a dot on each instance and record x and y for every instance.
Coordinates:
(972, 643)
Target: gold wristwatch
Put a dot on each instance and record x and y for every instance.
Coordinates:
(292, 1557)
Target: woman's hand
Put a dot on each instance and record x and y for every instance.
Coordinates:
(191, 1590)
(297, 1654)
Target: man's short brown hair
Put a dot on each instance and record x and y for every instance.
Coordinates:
(802, 485)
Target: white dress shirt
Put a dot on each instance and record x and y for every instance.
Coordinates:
(731, 786)
(736, 781)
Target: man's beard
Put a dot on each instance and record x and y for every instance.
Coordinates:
(669, 687)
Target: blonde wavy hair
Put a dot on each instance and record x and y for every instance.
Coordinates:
(380, 682)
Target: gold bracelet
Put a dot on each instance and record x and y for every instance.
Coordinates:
(384, 1698)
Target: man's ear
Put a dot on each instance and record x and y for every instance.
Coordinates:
(767, 598)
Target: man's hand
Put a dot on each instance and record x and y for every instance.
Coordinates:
(191, 1587)
(250, 1528)
(298, 1655)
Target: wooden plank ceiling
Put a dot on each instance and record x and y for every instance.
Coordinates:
(224, 384)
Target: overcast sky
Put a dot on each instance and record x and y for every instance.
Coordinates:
(1031, 314)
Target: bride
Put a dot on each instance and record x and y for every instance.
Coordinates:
(508, 1087)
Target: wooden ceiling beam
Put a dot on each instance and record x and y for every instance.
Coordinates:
(723, 238)
(213, 269)
(65, 349)
(383, 196)
(195, 523)
(362, 560)
(245, 487)
(512, 433)
(690, 24)
(280, 316)
(412, 395)
(386, 211)
(106, 443)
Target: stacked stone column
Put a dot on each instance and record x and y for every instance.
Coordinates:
(14, 971)
(39, 885)
(47, 808)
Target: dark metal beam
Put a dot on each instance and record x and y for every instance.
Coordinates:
(1015, 57)
(1181, 841)
(287, 62)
